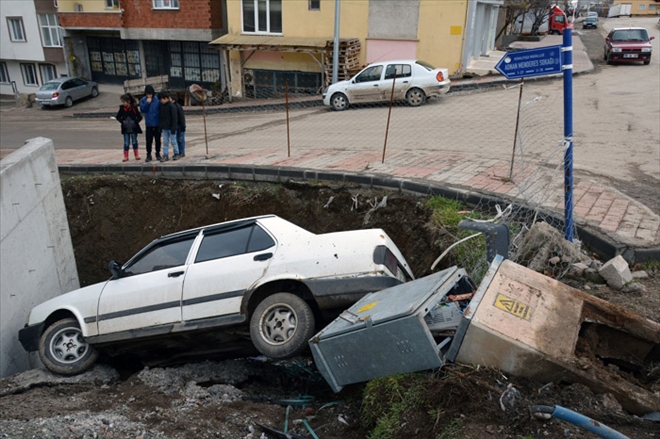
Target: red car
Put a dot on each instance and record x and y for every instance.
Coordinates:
(630, 44)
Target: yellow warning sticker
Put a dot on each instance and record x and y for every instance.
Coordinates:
(514, 307)
(367, 307)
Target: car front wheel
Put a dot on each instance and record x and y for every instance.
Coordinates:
(95, 92)
(415, 97)
(281, 326)
(68, 101)
(339, 102)
(63, 349)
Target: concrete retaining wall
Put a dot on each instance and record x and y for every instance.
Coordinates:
(36, 254)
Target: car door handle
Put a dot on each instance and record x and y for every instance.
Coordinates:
(405, 82)
(375, 85)
(263, 256)
(175, 274)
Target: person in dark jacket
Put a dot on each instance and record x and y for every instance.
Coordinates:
(168, 125)
(129, 117)
(150, 107)
(181, 130)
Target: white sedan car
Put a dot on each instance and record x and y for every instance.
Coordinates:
(264, 272)
(414, 81)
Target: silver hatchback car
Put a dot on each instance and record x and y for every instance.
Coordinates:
(65, 90)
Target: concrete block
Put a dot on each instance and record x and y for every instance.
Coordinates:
(616, 272)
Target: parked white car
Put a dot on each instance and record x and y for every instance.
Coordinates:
(264, 271)
(414, 82)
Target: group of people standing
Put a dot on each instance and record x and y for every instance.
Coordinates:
(162, 115)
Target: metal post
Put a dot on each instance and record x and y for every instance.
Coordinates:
(567, 67)
(335, 47)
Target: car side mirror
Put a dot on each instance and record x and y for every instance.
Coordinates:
(115, 269)
(652, 38)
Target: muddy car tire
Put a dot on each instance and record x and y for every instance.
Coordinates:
(339, 102)
(415, 97)
(281, 326)
(68, 102)
(63, 349)
(95, 92)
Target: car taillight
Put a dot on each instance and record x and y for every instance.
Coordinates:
(56, 94)
(383, 256)
(440, 77)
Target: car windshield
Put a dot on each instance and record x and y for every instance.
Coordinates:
(426, 65)
(630, 35)
(50, 86)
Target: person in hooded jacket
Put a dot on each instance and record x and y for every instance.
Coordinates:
(150, 107)
(129, 117)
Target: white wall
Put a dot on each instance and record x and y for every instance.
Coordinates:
(36, 253)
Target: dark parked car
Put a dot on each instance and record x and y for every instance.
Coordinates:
(631, 44)
(590, 23)
(65, 90)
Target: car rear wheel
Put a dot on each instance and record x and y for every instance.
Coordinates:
(63, 349)
(68, 101)
(95, 92)
(281, 326)
(339, 102)
(415, 97)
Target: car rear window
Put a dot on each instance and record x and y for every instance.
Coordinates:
(426, 65)
(50, 86)
(222, 244)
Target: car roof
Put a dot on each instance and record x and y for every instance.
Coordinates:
(237, 222)
(60, 79)
(395, 61)
(628, 28)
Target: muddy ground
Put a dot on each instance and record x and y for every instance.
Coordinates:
(112, 217)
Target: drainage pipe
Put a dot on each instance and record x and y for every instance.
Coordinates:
(559, 412)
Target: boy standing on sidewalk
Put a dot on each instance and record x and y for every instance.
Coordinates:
(168, 125)
(150, 107)
(181, 130)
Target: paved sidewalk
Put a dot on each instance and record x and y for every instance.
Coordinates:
(608, 220)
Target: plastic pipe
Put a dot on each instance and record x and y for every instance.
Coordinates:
(559, 412)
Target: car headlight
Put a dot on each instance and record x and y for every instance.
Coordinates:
(616, 49)
(646, 49)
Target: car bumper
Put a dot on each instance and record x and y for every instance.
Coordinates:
(48, 102)
(29, 336)
(343, 292)
(625, 57)
(438, 90)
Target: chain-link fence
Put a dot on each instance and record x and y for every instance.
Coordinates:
(502, 141)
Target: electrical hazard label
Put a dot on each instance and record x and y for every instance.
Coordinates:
(514, 307)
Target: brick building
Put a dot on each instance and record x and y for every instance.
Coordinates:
(111, 41)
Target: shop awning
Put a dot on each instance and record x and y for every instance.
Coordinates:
(272, 43)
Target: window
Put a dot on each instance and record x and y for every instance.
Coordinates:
(642, 6)
(50, 31)
(166, 4)
(233, 242)
(314, 5)
(4, 75)
(48, 73)
(16, 32)
(162, 256)
(29, 74)
(402, 71)
(370, 74)
(112, 4)
(263, 16)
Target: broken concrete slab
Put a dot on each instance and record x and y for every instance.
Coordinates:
(528, 324)
(616, 272)
(41, 377)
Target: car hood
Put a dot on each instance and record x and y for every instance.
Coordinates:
(339, 85)
(82, 303)
(631, 44)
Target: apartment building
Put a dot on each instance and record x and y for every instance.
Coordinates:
(31, 45)
(111, 41)
(273, 42)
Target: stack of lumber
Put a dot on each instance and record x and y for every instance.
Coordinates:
(349, 59)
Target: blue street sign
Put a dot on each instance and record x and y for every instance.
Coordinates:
(531, 62)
